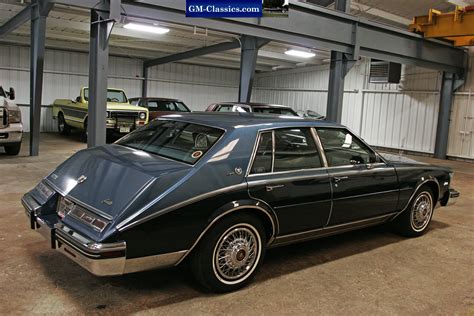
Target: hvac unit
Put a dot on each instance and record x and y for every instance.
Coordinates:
(384, 72)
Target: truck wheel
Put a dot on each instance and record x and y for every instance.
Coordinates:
(229, 255)
(13, 150)
(63, 128)
(85, 133)
(414, 221)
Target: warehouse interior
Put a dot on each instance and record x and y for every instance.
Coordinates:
(428, 116)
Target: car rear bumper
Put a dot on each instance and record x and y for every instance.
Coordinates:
(101, 259)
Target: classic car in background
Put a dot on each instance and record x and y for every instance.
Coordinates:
(311, 114)
(262, 108)
(219, 189)
(11, 128)
(122, 117)
(160, 106)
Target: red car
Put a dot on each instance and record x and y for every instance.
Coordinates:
(160, 106)
(251, 107)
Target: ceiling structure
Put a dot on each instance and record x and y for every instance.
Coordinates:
(68, 29)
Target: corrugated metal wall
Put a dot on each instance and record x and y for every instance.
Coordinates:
(66, 72)
(400, 116)
(461, 132)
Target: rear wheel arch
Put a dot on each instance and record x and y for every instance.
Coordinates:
(253, 208)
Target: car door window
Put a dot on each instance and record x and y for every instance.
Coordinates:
(342, 148)
(295, 149)
(264, 155)
(225, 108)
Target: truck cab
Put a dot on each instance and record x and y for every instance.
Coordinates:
(11, 128)
(122, 117)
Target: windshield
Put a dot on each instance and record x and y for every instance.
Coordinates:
(112, 96)
(278, 111)
(180, 141)
(166, 106)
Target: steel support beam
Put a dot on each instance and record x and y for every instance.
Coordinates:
(39, 13)
(448, 86)
(337, 72)
(193, 53)
(18, 20)
(248, 61)
(145, 81)
(101, 27)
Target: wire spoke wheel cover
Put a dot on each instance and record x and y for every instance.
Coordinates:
(236, 254)
(421, 211)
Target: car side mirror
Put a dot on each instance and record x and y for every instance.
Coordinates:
(11, 93)
(78, 99)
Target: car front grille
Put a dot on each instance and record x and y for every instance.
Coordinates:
(125, 118)
(3, 117)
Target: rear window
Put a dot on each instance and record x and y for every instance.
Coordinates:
(179, 141)
(277, 111)
(167, 106)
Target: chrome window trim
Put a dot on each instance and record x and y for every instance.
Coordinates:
(356, 137)
(222, 215)
(273, 129)
(286, 179)
(319, 145)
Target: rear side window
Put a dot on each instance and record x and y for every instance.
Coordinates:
(342, 149)
(295, 149)
(264, 155)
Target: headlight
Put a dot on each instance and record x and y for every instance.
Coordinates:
(44, 190)
(14, 116)
(64, 207)
(142, 115)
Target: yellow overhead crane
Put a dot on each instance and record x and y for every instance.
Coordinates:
(457, 26)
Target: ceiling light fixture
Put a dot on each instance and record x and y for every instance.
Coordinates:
(146, 28)
(300, 53)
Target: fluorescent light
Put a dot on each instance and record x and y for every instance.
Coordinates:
(146, 28)
(300, 53)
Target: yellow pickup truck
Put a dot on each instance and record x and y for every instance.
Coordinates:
(122, 117)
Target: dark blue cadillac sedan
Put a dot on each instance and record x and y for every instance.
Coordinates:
(219, 189)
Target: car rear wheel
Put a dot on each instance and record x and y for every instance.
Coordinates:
(417, 217)
(230, 254)
(63, 128)
(13, 150)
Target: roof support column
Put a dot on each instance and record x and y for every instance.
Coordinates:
(337, 73)
(448, 86)
(145, 81)
(248, 62)
(39, 13)
(101, 26)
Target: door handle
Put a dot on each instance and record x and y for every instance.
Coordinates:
(338, 179)
(270, 188)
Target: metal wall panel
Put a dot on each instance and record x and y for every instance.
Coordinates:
(400, 116)
(67, 72)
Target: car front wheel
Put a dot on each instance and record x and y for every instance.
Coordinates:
(230, 254)
(13, 150)
(415, 220)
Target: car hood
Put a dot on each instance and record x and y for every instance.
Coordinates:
(107, 179)
(400, 159)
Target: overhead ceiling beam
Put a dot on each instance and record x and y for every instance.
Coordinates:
(193, 53)
(15, 22)
(379, 13)
(314, 27)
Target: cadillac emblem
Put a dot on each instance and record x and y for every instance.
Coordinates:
(81, 179)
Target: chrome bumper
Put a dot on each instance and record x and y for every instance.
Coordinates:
(12, 134)
(101, 259)
(453, 197)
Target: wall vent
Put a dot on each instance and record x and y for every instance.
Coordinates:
(384, 72)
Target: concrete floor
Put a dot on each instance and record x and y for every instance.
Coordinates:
(371, 271)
